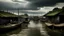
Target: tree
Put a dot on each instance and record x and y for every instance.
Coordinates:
(62, 9)
(26, 14)
(55, 9)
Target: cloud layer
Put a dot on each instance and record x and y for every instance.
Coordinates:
(27, 4)
(31, 6)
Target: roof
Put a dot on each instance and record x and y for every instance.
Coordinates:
(62, 13)
(6, 14)
(52, 13)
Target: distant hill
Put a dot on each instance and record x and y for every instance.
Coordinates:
(6, 14)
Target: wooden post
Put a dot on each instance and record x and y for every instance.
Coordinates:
(61, 30)
(3, 10)
(53, 27)
(19, 20)
(7, 10)
(18, 15)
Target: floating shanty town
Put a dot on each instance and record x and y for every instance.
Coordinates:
(9, 21)
(55, 18)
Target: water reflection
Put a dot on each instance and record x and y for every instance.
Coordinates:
(34, 32)
(35, 28)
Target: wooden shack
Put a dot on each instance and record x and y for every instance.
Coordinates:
(6, 17)
(56, 16)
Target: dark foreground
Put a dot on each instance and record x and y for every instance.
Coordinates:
(34, 29)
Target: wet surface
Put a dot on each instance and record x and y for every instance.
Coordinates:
(34, 29)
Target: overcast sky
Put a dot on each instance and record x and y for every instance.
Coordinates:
(31, 7)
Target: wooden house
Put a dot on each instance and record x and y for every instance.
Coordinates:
(56, 16)
(6, 17)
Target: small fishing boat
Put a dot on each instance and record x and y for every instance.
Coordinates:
(55, 26)
(9, 27)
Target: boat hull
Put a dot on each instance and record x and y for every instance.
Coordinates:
(53, 26)
(8, 29)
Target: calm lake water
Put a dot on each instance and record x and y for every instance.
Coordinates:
(34, 29)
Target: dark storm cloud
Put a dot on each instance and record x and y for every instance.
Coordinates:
(6, 5)
(40, 3)
(33, 5)
(17, 1)
(15, 5)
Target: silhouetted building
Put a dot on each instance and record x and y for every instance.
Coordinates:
(55, 16)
